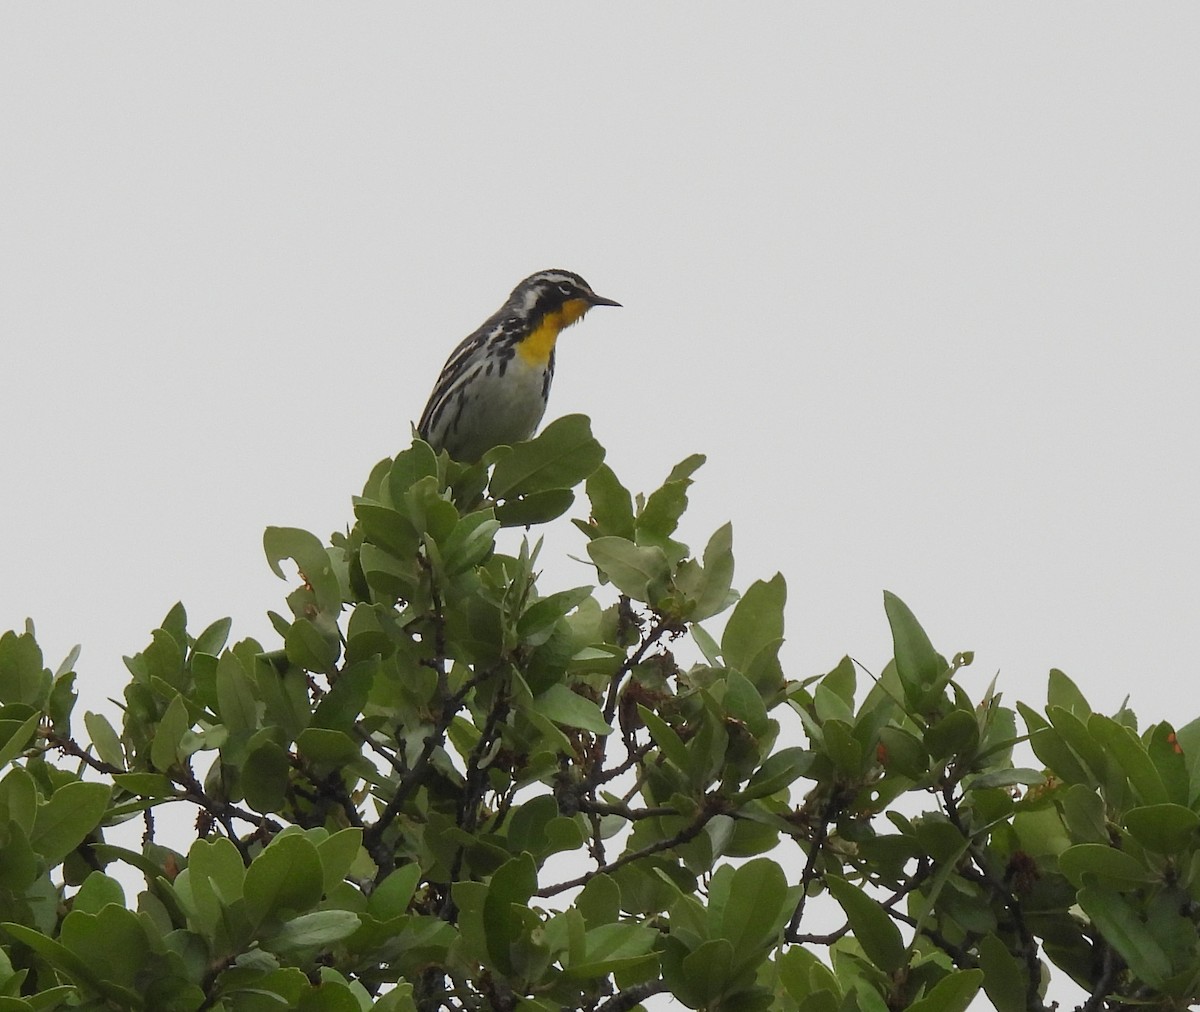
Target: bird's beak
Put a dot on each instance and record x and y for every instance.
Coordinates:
(600, 300)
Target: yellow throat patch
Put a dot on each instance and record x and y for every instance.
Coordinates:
(536, 348)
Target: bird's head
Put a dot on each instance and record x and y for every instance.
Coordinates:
(555, 297)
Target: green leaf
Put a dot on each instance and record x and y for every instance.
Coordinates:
(163, 659)
(1106, 863)
(778, 771)
(387, 529)
(1081, 740)
(614, 948)
(23, 679)
(17, 737)
(1004, 976)
(509, 891)
(410, 466)
(311, 559)
(68, 663)
(1122, 927)
(112, 943)
(470, 542)
(308, 648)
(338, 853)
(150, 785)
(63, 822)
(903, 753)
(1130, 754)
(218, 862)
(612, 505)
(709, 647)
(18, 798)
(235, 695)
(428, 509)
(706, 972)
(1188, 738)
(939, 838)
(312, 931)
(326, 746)
(562, 456)
(1083, 812)
(543, 614)
(755, 623)
(536, 508)
(953, 993)
(803, 976)
(264, 777)
(561, 705)
(1008, 778)
(1168, 758)
(632, 569)
(718, 575)
(213, 639)
(1064, 693)
(744, 703)
(956, 734)
(105, 739)
(19, 865)
(1163, 829)
(600, 901)
(284, 880)
(657, 519)
(168, 736)
(527, 825)
(687, 467)
(56, 954)
(917, 663)
(668, 742)
(61, 703)
(333, 995)
(844, 749)
(749, 919)
(98, 890)
(392, 896)
(875, 931)
(1051, 748)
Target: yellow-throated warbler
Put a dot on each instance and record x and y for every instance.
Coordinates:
(493, 388)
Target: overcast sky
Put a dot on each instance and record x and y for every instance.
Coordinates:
(920, 280)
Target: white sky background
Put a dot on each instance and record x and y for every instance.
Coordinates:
(920, 280)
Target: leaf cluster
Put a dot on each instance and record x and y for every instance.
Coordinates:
(448, 786)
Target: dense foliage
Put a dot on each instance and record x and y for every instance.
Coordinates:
(453, 787)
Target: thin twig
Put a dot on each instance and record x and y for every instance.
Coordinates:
(689, 832)
(622, 1001)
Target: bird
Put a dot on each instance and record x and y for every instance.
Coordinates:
(493, 388)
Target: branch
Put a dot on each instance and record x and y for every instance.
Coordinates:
(622, 1001)
(468, 809)
(222, 811)
(918, 876)
(634, 756)
(1112, 967)
(393, 760)
(830, 813)
(661, 627)
(689, 832)
(985, 876)
(962, 958)
(411, 780)
(474, 783)
(335, 787)
(624, 811)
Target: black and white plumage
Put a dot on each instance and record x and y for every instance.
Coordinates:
(494, 386)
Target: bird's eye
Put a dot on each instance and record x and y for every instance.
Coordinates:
(565, 289)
